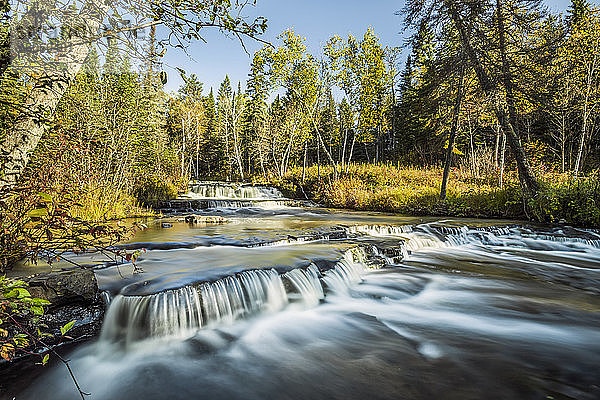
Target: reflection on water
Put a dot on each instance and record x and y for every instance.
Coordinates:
(395, 308)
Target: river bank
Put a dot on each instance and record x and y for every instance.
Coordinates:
(415, 191)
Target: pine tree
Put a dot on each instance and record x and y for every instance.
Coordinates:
(256, 143)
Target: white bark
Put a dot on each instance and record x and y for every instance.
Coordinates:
(56, 76)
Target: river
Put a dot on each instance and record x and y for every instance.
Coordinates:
(307, 303)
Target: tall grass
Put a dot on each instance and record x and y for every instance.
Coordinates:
(96, 202)
(415, 191)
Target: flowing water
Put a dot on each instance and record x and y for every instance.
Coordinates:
(307, 303)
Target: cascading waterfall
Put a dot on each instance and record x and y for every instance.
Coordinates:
(347, 271)
(181, 312)
(525, 296)
(306, 285)
(414, 238)
(381, 230)
(208, 190)
(245, 204)
(212, 195)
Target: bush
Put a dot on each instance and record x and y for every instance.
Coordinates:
(574, 200)
(151, 189)
(18, 308)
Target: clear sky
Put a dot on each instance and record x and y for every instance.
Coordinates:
(317, 20)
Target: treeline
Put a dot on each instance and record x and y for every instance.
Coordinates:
(116, 135)
(547, 68)
(107, 141)
(289, 115)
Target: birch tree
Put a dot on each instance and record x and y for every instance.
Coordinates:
(583, 48)
(52, 66)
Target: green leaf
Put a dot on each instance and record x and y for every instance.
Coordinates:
(45, 359)
(17, 293)
(46, 197)
(38, 213)
(67, 327)
(39, 302)
(37, 310)
(15, 284)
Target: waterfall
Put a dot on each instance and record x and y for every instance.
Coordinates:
(220, 195)
(347, 271)
(213, 190)
(382, 230)
(306, 285)
(426, 236)
(181, 312)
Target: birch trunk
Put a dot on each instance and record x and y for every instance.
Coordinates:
(56, 76)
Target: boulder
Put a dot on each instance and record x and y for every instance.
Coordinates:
(65, 287)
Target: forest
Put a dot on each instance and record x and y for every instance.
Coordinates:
(492, 113)
(482, 109)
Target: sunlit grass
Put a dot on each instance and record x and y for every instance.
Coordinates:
(97, 203)
(415, 191)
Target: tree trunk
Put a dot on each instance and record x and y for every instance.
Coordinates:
(562, 144)
(351, 151)
(304, 164)
(472, 148)
(343, 157)
(582, 136)
(502, 160)
(182, 147)
(528, 181)
(497, 145)
(591, 68)
(452, 138)
(318, 163)
(56, 76)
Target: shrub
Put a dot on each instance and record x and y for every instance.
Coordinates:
(574, 200)
(151, 189)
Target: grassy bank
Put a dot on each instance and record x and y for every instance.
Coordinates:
(45, 220)
(415, 191)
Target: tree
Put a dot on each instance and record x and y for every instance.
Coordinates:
(255, 117)
(58, 64)
(188, 123)
(583, 50)
(488, 53)
(292, 68)
(230, 109)
(360, 70)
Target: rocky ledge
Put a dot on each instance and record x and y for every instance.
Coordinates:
(73, 296)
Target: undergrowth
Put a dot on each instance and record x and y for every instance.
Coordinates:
(415, 191)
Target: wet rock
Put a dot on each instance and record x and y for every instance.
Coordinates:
(74, 296)
(65, 287)
(204, 220)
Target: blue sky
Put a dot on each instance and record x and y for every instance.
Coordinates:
(317, 20)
